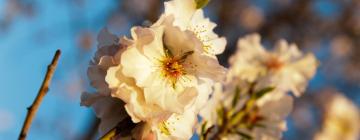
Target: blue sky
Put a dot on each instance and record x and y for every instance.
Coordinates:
(26, 48)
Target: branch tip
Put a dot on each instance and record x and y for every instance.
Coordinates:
(32, 109)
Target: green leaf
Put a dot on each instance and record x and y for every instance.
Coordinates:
(201, 3)
(260, 125)
(235, 120)
(236, 97)
(203, 126)
(262, 92)
(250, 104)
(243, 135)
(204, 132)
(109, 135)
(220, 113)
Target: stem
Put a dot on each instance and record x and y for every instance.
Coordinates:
(42, 92)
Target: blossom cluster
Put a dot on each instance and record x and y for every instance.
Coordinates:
(167, 79)
(254, 100)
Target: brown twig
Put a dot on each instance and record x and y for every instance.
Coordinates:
(42, 92)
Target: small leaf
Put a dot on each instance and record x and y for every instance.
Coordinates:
(250, 104)
(236, 97)
(260, 125)
(235, 120)
(205, 132)
(109, 135)
(203, 126)
(201, 3)
(220, 113)
(243, 135)
(262, 92)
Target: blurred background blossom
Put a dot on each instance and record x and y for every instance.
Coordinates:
(31, 31)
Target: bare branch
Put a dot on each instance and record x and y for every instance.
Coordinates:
(41, 94)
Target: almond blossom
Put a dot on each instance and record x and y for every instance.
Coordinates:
(169, 65)
(161, 75)
(238, 112)
(252, 103)
(153, 122)
(285, 67)
(341, 120)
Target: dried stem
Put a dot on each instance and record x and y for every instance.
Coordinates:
(42, 92)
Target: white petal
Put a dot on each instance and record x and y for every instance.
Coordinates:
(161, 93)
(277, 108)
(136, 65)
(217, 46)
(187, 8)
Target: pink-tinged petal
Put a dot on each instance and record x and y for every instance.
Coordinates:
(105, 38)
(97, 79)
(110, 110)
(142, 36)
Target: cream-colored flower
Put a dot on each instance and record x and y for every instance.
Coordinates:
(285, 67)
(169, 65)
(109, 110)
(260, 118)
(188, 17)
(342, 120)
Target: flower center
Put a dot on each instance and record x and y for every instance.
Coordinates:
(273, 63)
(173, 67)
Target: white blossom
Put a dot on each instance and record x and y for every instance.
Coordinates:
(341, 120)
(168, 65)
(285, 67)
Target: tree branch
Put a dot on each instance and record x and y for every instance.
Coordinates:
(42, 92)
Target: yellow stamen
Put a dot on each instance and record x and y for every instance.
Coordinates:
(164, 128)
(273, 63)
(173, 68)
